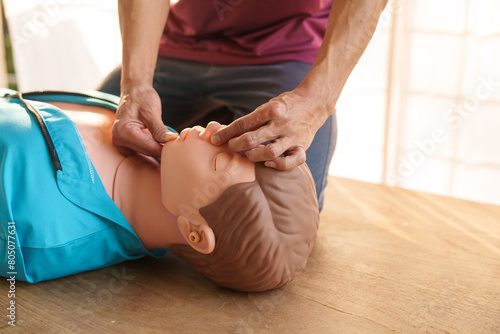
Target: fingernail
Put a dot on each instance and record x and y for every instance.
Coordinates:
(270, 164)
(215, 139)
(169, 135)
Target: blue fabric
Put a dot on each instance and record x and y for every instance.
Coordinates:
(65, 222)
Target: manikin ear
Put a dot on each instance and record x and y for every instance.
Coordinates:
(200, 237)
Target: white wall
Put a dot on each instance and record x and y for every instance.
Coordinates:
(422, 108)
(63, 44)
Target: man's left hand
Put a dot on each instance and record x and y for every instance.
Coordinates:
(286, 124)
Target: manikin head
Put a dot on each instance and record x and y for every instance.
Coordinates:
(247, 227)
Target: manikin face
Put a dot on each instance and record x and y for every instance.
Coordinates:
(194, 172)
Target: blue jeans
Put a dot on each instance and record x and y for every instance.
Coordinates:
(195, 93)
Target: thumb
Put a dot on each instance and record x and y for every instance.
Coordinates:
(159, 131)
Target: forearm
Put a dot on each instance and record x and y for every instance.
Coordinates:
(350, 27)
(141, 24)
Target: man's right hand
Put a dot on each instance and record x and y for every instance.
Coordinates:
(138, 127)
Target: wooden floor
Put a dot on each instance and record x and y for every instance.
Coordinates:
(386, 261)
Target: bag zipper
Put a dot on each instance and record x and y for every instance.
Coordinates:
(60, 92)
(45, 133)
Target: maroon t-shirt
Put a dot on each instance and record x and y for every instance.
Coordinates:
(245, 32)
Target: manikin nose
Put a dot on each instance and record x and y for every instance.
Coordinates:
(212, 127)
(184, 133)
(204, 134)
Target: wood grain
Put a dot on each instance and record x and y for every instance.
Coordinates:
(387, 260)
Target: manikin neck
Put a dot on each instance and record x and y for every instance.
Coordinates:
(137, 193)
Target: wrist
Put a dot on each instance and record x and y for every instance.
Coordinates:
(135, 91)
(138, 68)
(129, 84)
(316, 87)
(136, 76)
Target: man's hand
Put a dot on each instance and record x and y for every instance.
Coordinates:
(138, 127)
(287, 123)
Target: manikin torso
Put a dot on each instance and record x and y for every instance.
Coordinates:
(132, 182)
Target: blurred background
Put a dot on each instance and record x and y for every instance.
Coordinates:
(420, 111)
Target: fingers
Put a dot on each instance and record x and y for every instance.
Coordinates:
(267, 152)
(292, 159)
(236, 128)
(271, 123)
(138, 127)
(287, 124)
(156, 127)
(252, 139)
(131, 138)
(255, 120)
(279, 154)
